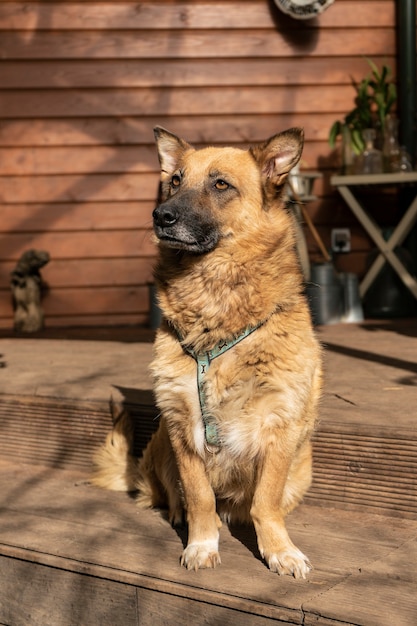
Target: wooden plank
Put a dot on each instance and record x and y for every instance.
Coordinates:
(99, 160)
(387, 504)
(73, 431)
(79, 188)
(338, 500)
(130, 299)
(165, 590)
(369, 596)
(47, 596)
(87, 244)
(43, 44)
(183, 73)
(383, 483)
(43, 482)
(64, 523)
(181, 101)
(203, 129)
(77, 160)
(132, 333)
(152, 610)
(69, 306)
(350, 14)
(376, 382)
(84, 301)
(90, 272)
(240, 592)
(76, 216)
(381, 502)
(164, 15)
(158, 560)
(75, 302)
(118, 368)
(76, 321)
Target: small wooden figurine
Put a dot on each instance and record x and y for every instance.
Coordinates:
(26, 284)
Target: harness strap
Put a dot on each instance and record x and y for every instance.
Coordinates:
(203, 361)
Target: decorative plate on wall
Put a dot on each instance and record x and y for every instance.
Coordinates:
(303, 9)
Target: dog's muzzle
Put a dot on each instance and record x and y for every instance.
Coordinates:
(181, 227)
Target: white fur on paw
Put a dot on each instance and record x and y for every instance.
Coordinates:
(201, 555)
(291, 562)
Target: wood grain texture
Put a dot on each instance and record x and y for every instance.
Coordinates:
(79, 188)
(85, 244)
(125, 130)
(181, 101)
(37, 595)
(92, 544)
(179, 15)
(118, 272)
(92, 160)
(197, 44)
(195, 72)
(80, 216)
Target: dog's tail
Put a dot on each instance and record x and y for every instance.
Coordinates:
(115, 467)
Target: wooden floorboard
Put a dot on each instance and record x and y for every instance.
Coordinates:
(54, 394)
(370, 369)
(74, 554)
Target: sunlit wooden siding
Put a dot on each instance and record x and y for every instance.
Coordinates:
(82, 85)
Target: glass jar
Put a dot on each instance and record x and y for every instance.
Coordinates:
(370, 161)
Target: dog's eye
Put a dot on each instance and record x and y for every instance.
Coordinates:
(175, 181)
(221, 185)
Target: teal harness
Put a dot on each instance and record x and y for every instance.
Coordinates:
(203, 361)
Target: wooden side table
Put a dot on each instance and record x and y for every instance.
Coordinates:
(345, 184)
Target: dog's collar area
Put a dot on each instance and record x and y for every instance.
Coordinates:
(203, 360)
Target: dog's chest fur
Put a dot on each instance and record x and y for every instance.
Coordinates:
(255, 387)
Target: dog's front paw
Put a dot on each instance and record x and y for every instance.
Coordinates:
(291, 562)
(201, 555)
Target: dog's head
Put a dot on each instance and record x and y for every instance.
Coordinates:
(211, 194)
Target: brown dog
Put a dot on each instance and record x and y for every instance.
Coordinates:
(237, 371)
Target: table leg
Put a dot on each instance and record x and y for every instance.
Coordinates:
(386, 247)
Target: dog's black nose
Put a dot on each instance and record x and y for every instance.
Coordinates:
(165, 216)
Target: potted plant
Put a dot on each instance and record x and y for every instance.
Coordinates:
(375, 96)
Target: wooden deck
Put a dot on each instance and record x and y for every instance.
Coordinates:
(74, 555)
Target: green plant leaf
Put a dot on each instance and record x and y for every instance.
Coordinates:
(335, 131)
(372, 65)
(357, 141)
(375, 96)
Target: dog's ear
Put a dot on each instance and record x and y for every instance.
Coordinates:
(170, 149)
(278, 155)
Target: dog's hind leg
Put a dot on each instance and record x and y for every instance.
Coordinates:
(158, 482)
(268, 511)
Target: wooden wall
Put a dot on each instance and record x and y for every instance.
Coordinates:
(82, 85)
